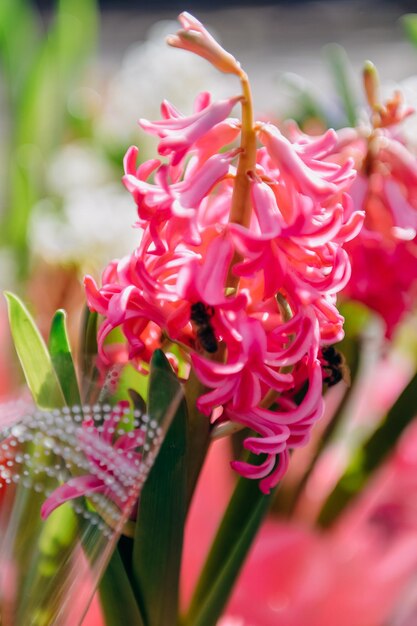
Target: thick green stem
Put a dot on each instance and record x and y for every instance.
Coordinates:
(236, 533)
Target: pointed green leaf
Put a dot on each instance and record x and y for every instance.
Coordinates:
(160, 526)
(33, 356)
(60, 351)
(372, 454)
(243, 517)
(138, 402)
(88, 339)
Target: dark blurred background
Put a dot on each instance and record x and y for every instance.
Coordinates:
(407, 5)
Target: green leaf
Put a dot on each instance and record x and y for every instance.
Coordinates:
(410, 27)
(373, 453)
(343, 79)
(243, 517)
(116, 595)
(43, 579)
(162, 510)
(43, 383)
(60, 351)
(138, 402)
(198, 434)
(34, 356)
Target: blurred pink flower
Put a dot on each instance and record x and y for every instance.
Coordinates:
(295, 572)
(8, 382)
(94, 616)
(384, 255)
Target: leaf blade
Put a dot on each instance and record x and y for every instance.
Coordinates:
(60, 351)
(116, 595)
(34, 356)
(159, 530)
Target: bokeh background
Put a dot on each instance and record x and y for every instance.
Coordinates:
(75, 78)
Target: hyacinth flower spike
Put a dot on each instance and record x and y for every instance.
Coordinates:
(240, 261)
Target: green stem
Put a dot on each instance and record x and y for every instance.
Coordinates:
(235, 535)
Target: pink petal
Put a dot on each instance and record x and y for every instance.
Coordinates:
(73, 488)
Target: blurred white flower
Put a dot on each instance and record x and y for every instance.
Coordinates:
(77, 165)
(94, 226)
(93, 220)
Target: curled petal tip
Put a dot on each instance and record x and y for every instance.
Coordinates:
(194, 37)
(173, 40)
(187, 20)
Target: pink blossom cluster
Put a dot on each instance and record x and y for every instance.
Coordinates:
(249, 301)
(384, 255)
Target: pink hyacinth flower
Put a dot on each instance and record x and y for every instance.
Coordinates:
(383, 256)
(240, 261)
(178, 134)
(162, 200)
(238, 381)
(315, 177)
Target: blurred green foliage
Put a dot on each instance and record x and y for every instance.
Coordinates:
(40, 64)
